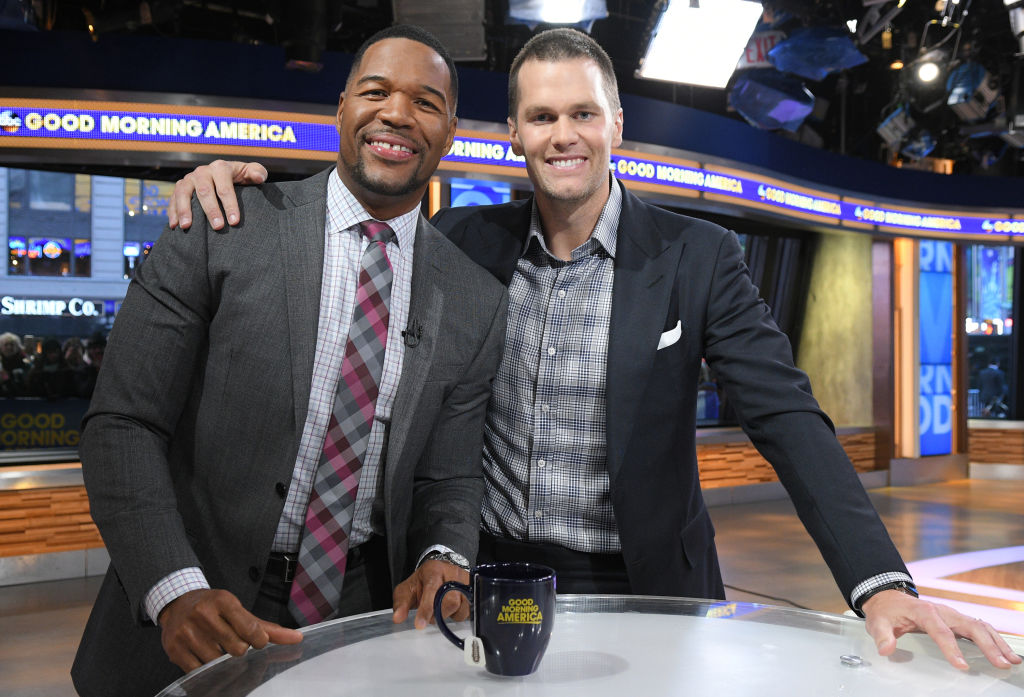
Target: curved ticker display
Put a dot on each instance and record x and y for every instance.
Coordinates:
(81, 125)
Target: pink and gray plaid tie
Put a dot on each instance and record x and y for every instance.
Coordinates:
(316, 588)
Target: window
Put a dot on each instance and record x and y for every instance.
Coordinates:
(989, 325)
(145, 198)
(83, 193)
(49, 256)
(51, 191)
(49, 223)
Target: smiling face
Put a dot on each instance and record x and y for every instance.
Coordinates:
(395, 123)
(566, 129)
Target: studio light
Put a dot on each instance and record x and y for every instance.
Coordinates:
(699, 42)
(816, 52)
(902, 134)
(973, 91)
(571, 12)
(896, 127)
(924, 80)
(1016, 10)
(928, 71)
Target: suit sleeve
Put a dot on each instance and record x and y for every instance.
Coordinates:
(448, 485)
(753, 360)
(148, 373)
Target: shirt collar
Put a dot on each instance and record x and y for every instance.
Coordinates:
(344, 212)
(605, 232)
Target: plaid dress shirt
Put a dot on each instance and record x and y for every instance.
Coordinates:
(545, 440)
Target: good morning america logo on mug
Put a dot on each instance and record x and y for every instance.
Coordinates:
(520, 611)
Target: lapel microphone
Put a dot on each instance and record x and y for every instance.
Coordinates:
(412, 334)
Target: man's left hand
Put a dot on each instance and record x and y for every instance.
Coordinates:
(891, 614)
(417, 593)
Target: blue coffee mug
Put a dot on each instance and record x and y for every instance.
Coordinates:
(513, 613)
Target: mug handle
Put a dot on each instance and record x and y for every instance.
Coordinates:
(438, 597)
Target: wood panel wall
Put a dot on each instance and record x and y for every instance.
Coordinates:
(996, 446)
(739, 463)
(37, 521)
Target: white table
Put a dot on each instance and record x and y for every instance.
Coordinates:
(614, 646)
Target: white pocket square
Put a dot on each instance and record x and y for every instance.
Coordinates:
(671, 336)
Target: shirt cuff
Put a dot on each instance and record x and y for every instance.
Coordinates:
(874, 582)
(434, 548)
(172, 586)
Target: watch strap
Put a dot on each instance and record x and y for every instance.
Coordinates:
(902, 586)
(450, 557)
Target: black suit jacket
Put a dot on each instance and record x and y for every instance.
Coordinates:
(672, 269)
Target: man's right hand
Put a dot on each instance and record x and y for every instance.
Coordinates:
(214, 185)
(202, 625)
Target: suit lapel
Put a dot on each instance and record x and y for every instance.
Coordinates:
(301, 233)
(645, 266)
(425, 308)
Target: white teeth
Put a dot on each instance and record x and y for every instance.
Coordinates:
(389, 146)
(567, 163)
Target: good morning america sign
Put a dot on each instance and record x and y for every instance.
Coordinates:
(259, 133)
(158, 126)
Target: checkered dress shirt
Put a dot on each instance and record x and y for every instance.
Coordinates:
(545, 440)
(343, 252)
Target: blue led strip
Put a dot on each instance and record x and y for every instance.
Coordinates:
(141, 126)
(159, 127)
(911, 220)
(484, 151)
(791, 200)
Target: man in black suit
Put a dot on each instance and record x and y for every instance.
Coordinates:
(589, 448)
(992, 383)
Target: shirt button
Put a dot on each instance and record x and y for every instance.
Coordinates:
(551, 350)
(561, 293)
(281, 489)
(541, 463)
(254, 573)
(545, 408)
(538, 514)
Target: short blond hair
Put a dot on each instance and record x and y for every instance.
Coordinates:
(8, 337)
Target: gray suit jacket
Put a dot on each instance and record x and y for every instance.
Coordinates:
(191, 437)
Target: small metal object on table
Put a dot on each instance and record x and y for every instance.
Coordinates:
(612, 646)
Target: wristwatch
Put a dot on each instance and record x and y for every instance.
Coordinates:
(901, 586)
(450, 557)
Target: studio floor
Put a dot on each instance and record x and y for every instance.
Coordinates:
(963, 540)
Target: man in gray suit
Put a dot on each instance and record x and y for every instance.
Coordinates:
(204, 436)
